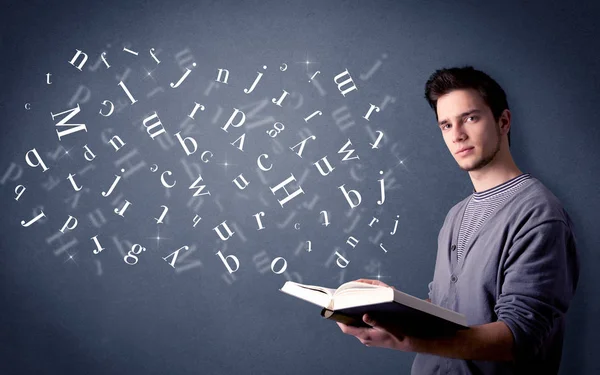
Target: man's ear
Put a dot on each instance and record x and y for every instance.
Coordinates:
(504, 121)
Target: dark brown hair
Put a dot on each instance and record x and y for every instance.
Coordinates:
(442, 81)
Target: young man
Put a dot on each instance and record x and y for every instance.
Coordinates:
(507, 256)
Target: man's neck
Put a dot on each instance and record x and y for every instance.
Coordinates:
(493, 175)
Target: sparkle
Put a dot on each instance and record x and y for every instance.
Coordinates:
(67, 153)
(401, 162)
(70, 257)
(307, 62)
(158, 238)
(379, 276)
(226, 164)
(149, 74)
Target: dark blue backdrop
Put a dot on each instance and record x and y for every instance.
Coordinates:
(67, 310)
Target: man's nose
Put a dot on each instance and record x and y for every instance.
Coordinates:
(458, 134)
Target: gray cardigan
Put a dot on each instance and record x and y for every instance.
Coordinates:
(521, 267)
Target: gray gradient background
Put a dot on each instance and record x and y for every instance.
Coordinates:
(98, 315)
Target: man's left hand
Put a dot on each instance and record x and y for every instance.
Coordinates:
(379, 334)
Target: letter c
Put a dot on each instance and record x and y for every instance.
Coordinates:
(297, 226)
(28, 106)
(262, 167)
(202, 156)
(162, 179)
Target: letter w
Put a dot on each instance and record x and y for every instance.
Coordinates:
(348, 152)
(200, 188)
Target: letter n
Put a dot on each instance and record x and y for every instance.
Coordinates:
(226, 227)
(83, 60)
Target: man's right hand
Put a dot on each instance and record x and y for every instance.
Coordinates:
(373, 282)
(378, 282)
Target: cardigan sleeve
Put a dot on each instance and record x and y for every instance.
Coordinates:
(540, 277)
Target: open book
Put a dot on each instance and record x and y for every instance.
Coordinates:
(348, 303)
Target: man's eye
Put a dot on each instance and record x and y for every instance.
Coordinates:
(473, 117)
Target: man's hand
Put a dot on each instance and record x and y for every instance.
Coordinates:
(384, 336)
(374, 282)
(380, 334)
(486, 342)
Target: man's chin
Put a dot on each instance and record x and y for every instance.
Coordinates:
(464, 167)
(468, 167)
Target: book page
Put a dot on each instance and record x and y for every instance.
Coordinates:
(356, 285)
(328, 291)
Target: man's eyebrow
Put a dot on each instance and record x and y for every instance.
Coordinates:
(461, 115)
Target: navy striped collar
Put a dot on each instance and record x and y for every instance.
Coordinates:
(500, 188)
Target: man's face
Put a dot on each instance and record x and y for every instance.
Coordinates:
(467, 122)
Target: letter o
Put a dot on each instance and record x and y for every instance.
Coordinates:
(282, 268)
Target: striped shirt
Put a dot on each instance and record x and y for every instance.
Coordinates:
(519, 265)
(483, 204)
